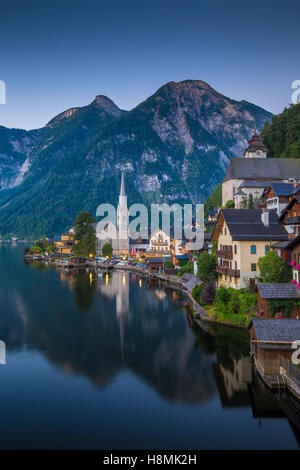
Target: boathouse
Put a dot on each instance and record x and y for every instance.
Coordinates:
(270, 340)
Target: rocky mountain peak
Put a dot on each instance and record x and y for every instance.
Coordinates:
(106, 104)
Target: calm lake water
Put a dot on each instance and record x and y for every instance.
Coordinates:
(110, 361)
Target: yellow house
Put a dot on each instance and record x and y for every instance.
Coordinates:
(243, 236)
(66, 242)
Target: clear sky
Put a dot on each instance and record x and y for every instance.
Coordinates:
(59, 54)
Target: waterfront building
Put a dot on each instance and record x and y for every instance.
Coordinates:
(66, 242)
(271, 341)
(243, 236)
(278, 293)
(160, 242)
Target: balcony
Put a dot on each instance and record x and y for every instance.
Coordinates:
(226, 254)
(221, 269)
(292, 220)
(234, 272)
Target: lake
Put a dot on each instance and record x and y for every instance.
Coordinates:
(115, 361)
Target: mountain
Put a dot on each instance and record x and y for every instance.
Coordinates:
(282, 137)
(15, 144)
(174, 147)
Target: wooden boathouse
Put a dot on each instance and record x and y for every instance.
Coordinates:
(272, 340)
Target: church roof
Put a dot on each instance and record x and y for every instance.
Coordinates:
(256, 143)
(122, 190)
(259, 168)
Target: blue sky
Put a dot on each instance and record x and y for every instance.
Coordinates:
(58, 54)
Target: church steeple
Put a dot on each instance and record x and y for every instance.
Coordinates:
(122, 190)
(256, 148)
(123, 219)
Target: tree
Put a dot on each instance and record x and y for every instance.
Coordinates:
(188, 267)
(85, 235)
(208, 293)
(274, 269)
(107, 250)
(244, 203)
(230, 204)
(207, 267)
(196, 292)
(250, 201)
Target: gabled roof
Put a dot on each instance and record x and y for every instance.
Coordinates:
(246, 224)
(288, 207)
(276, 330)
(282, 290)
(284, 189)
(260, 168)
(288, 244)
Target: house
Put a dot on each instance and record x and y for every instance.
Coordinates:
(271, 339)
(139, 245)
(290, 217)
(66, 242)
(284, 296)
(206, 247)
(155, 264)
(243, 236)
(255, 187)
(255, 166)
(160, 242)
(280, 194)
(212, 215)
(289, 251)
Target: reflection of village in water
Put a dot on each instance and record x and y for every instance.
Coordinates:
(236, 381)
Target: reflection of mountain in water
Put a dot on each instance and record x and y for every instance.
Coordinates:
(119, 323)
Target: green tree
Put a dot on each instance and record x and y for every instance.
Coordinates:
(230, 204)
(188, 267)
(107, 250)
(85, 235)
(274, 269)
(250, 201)
(207, 267)
(196, 292)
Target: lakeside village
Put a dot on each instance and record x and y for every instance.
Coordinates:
(246, 274)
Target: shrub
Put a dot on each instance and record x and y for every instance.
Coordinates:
(196, 292)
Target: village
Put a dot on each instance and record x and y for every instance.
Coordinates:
(246, 274)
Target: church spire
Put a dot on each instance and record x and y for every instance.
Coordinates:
(122, 190)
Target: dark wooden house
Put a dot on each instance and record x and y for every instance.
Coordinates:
(283, 296)
(290, 217)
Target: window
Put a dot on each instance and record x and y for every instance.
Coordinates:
(267, 248)
(225, 231)
(235, 249)
(253, 266)
(253, 249)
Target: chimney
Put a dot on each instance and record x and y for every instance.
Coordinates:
(265, 217)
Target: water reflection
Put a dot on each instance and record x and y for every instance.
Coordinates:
(99, 325)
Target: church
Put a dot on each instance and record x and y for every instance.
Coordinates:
(117, 236)
(254, 172)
